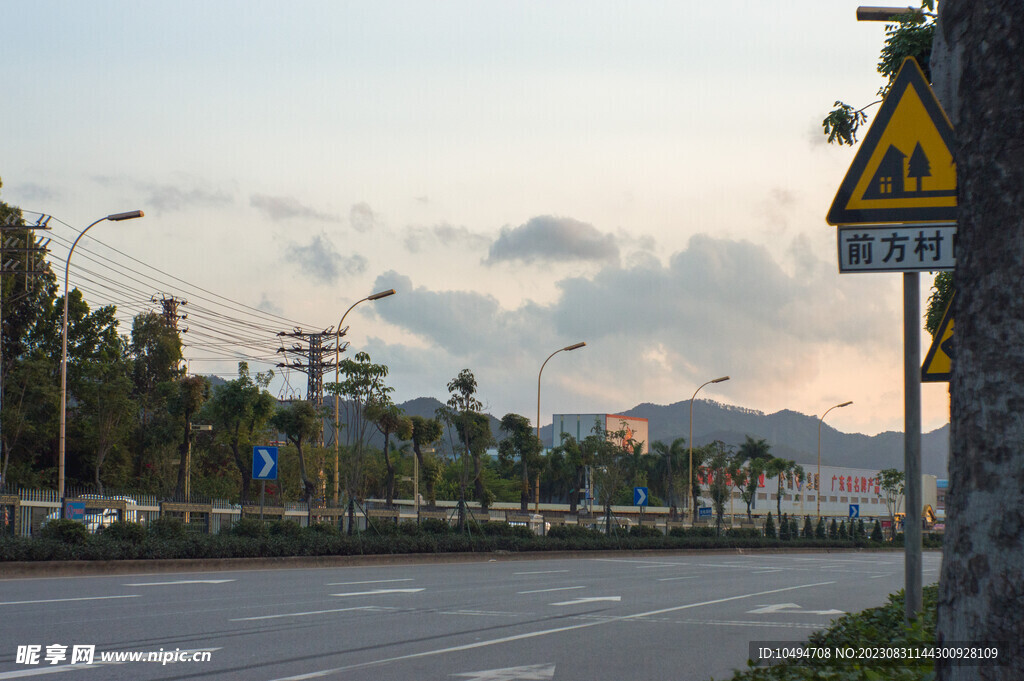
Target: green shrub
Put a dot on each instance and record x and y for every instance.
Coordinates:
(435, 526)
(833, 530)
(842, 530)
(66, 531)
(166, 527)
(743, 533)
(284, 528)
(876, 532)
(132, 533)
(569, 532)
(697, 531)
(248, 527)
(769, 527)
(645, 531)
(784, 527)
(819, 530)
(325, 528)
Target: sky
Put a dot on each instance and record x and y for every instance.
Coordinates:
(650, 178)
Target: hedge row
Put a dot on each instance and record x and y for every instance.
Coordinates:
(167, 538)
(875, 628)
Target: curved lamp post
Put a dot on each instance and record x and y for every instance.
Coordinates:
(337, 356)
(689, 490)
(817, 482)
(115, 217)
(567, 348)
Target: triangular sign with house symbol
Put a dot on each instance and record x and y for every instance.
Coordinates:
(904, 169)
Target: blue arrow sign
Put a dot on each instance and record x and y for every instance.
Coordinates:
(264, 463)
(639, 496)
(854, 510)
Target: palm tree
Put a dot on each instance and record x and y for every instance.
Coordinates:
(782, 468)
(670, 458)
(756, 453)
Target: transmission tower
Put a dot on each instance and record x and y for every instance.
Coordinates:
(169, 305)
(311, 349)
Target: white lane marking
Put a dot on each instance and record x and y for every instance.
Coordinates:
(369, 581)
(672, 579)
(539, 572)
(299, 614)
(379, 592)
(592, 599)
(544, 591)
(766, 571)
(536, 634)
(66, 600)
(482, 613)
(533, 672)
(791, 608)
(878, 576)
(182, 581)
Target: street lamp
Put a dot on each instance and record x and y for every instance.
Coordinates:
(567, 348)
(817, 482)
(690, 488)
(115, 217)
(337, 357)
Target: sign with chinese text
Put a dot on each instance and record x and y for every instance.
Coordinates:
(897, 248)
(938, 363)
(704, 512)
(904, 169)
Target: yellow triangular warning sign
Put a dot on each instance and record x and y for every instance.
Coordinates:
(904, 169)
(938, 363)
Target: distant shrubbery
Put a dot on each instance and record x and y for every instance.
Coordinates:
(248, 537)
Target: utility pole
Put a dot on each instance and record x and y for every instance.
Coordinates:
(21, 252)
(311, 347)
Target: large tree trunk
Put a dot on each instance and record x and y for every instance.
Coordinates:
(982, 581)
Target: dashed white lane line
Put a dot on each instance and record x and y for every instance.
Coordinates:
(539, 572)
(673, 579)
(544, 591)
(369, 581)
(299, 614)
(67, 600)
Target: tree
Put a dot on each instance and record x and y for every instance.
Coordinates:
(426, 432)
(362, 385)
(300, 422)
(390, 420)
(983, 560)
(458, 413)
(669, 463)
(239, 411)
(192, 392)
(106, 406)
(520, 444)
(892, 484)
(718, 471)
(611, 464)
(577, 459)
(756, 454)
(782, 469)
(769, 527)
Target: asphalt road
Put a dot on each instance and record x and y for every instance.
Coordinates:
(619, 618)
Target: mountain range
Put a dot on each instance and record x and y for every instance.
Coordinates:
(792, 435)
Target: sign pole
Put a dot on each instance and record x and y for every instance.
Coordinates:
(912, 443)
(263, 491)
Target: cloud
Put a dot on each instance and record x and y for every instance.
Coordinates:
(322, 262)
(279, 208)
(267, 305)
(31, 192)
(362, 218)
(419, 238)
(553, 239)
(718, 307)
(168, 198)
